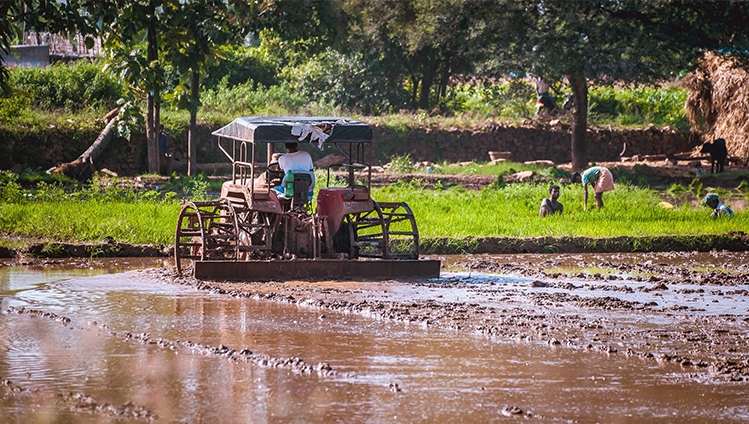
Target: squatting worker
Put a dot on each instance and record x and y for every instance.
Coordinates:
(719, 209)
(295, 161)
(598, 177)
(550, 205)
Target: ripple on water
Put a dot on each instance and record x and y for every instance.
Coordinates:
(403, 371)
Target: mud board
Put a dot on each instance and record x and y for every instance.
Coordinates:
(311, 269)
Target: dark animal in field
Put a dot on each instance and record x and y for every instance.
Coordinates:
(718, 153)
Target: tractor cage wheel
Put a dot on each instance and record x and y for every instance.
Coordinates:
(387, 232)
(206, 230)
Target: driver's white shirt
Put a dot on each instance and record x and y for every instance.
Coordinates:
(297, 161)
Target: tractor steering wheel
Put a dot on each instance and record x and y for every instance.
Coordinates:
(274, 172)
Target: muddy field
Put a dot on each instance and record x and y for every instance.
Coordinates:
(689, 309)
(643, 337)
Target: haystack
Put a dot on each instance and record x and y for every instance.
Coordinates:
(718, 103)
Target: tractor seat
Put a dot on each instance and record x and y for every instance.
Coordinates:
(303, 184)
(302, 191)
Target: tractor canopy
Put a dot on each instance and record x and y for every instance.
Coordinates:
(255, 129)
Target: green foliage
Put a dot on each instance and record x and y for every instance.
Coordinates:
(12, 107)
(10, 190)
(128, 118)
(70, 86)
(198, 187)
(325, 84)
(401, 164)
(639, 106)
(554, 172)
(513, 98)
(349, 81)
(253, 99)
(240, 65)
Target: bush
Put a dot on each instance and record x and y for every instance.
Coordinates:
(252, 99)
(239, 66)
(639, 106)
(71, 86)
(348, 81)
(11, 108)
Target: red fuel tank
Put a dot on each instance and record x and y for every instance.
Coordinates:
(333, 203)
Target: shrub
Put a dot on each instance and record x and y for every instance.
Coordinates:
(71, 86)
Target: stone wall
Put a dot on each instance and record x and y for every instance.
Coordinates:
(529, 143)
(42, 148)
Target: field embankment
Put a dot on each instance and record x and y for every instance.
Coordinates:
(42, 147)
(734, 242)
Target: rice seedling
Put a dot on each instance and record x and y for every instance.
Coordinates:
(512, 211)
(500, 210)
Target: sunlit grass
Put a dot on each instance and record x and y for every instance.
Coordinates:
(483, 168)
(512, 211)
(92, 221)
(93, 213)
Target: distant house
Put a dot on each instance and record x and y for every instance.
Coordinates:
(43, 48)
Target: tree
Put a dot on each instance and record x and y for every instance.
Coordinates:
(38, 15)
(606, 42)
(195, 30)
(429, 39)
(121, 23)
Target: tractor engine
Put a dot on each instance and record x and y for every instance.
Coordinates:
(299, 235)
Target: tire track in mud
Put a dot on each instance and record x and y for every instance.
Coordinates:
(714, 348)
(80, 402)
(84, 403)
(295, 364)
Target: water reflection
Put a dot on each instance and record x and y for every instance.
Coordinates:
(441, 376)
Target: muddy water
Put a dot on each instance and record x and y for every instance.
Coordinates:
(54, 369)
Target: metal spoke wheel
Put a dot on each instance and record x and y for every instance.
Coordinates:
(205, 231)
(389, 232)
(256, 231)
(402, 236)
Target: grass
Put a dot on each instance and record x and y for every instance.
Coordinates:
(92, 221)
(512, 211)
(404, 164)
(89, 214)
(482, 168)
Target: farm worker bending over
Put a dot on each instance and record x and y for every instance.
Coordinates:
(296, 161)
(719, 208)
(550, 205)
(598, 177)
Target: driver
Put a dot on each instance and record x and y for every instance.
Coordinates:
(296, 161)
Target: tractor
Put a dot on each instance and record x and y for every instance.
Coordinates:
(265, 225)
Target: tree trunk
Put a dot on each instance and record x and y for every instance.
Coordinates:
(426, 87)
(75, 168)
(152, 107)
(444, 80)
(579, 120)
(151, 135)
(192, 136)
(415, 88)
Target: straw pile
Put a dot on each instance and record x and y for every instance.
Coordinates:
(718, 104)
